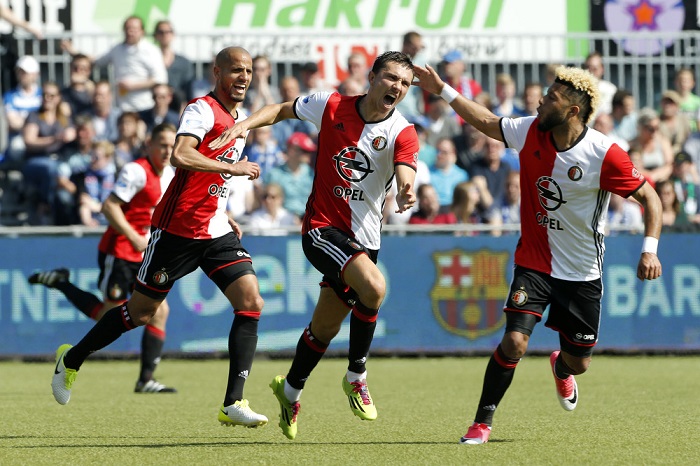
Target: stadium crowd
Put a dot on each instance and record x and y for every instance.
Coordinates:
(67, 144)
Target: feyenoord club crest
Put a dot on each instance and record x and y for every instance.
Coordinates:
(379, 143)
(160, 277)
(575, 173)
(519, 298)
(469, 290)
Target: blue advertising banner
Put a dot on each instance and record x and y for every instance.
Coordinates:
(445, 293)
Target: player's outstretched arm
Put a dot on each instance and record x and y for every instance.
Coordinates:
(649, 266)
(267, 115)
(405, 196)
(186, 156)
(475, 114)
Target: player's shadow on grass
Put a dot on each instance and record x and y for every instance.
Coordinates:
(227, 443)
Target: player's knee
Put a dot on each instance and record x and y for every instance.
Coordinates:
(373, 293)
(577, 365)
(252, 302)
(514, 344)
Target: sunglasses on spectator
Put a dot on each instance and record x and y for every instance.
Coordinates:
(164, 31)
(270, 196)
(651, 128)
(50, 94)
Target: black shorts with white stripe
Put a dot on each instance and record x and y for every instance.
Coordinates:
(329, 250)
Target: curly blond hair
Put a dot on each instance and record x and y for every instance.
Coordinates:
(585, 89)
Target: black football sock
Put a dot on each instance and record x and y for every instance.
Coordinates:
(309, 352)
(363, 322)
(497, 379)
(561, 369)
(85, 302)
(242, 342)
(151, 349)
(106, 331)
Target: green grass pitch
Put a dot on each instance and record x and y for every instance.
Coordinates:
(632, 411)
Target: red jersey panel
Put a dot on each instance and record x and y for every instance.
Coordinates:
(194, 206)
(355, 164)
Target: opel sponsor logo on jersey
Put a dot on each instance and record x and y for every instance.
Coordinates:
(160, 277)
(352, 164)
(575, 173)
(550, 194)
(379, 143)
(230, 155)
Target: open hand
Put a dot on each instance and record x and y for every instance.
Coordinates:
(227, 136)
(405, 198)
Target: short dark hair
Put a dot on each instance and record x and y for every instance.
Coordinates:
(391, 57)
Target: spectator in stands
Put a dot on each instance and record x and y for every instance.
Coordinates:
(350, 87)
(79, 92)
(261, 92)
(454, 72)
(532, 94)
(674, 124)
(18, 104)
(46, 133)
(624, 214)
(357, 72)
(624, 114)
(241, 199)
(76, 162)
(442, 123)
(310, 80)
(505, 95)
(272, 215)
(138, 66)
(104, 114)
(8, 15)
(296, 175)
(684, 84)
(550, 75)
(282, 130)
(179, 68)
(686, 183)
(445, 174)
(132, 134)
(264, 149)
(162, 110)
(493, 172)
(604, 123)
(97, 184)
(467, 201)
(657, 155)
(204, 85)
(509, 207)
(429, 208)
(427, 152)
(606, 89)
(470, 146)
(672, 215)
(413, 104)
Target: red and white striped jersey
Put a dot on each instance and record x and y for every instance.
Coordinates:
(194, 206)
(565, 198)
(140, 188)
(355, 164)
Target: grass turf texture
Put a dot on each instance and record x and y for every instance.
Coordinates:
(632, 410)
